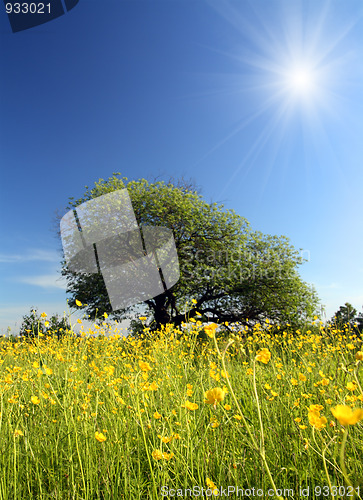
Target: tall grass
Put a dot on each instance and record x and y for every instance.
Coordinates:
(111, 417)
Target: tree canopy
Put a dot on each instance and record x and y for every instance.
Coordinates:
(228, 273)
(347, 316)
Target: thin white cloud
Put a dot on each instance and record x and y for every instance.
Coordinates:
(44, 281)
(32, 255)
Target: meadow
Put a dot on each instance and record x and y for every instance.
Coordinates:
(263, 412)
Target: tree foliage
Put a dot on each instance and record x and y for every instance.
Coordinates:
(347, 316)
(233, 274)
(33, 325)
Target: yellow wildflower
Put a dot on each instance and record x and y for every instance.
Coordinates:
(263, 355)
(316, 408)
(157, 455)
(346, 416)
(212, 486)
(316, 420)
(210, 330)
(214, 396)
(100, 437)
(190, 406)
(351, 386)
(144, 366)
(165, 439)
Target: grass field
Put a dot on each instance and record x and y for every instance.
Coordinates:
(273, 412)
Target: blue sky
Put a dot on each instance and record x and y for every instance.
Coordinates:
(260, 102)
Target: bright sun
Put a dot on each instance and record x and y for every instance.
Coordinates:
(301, 80)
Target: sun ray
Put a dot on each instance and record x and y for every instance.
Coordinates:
(296, 71)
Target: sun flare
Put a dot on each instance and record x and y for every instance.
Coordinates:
(301, 80)
(293, 70)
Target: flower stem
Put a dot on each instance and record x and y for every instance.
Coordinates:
(260, 450)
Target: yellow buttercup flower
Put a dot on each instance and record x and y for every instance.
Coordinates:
(17, 432)
(263, 355)
(316, 408)
(210, 330)
(214, 396)
(100, 437)
(346, 416)
(157, 455)
(359, 356)
(35, 400)
(316, 420)
(190, 406)
(212, 486)
(165, 439)
(144, 366)
(78, 303)
(351, 386)
(153, 386)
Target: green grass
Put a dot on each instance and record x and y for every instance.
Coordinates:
(57, 394)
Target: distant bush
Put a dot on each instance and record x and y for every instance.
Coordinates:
(34, 324)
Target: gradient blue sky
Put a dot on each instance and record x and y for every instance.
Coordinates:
(195, 88)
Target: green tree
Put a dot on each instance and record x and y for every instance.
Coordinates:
(232, 272)
(359, 320)
(33, 324)
(346, 315)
